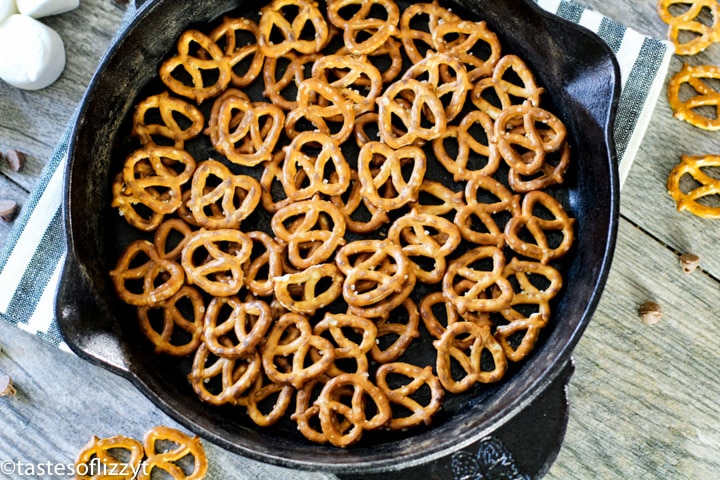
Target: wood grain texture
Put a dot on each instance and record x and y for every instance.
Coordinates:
(642, 398)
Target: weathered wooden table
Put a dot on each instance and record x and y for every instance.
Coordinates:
(643, 398)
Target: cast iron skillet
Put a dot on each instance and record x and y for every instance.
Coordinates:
(581, 77)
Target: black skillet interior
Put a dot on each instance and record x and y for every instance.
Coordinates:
(581, 79)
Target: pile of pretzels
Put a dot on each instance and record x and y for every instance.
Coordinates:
(317, 249)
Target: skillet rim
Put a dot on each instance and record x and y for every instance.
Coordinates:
(109, 353)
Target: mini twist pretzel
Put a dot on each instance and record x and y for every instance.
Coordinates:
(357, 73)
(273, 196)
(471, 34)
(262, 392)
(172, 461)
(292, 29)
(303, 368)
(466, 145)
(428, 236)
(391, 171)
(235, 195)
(111, 454)
(166, 240)
(132, 210)
(691, 110)
(212, 129)
(435, 198)
(234, 329)
(396, 332)
(308, 242)
(336, 324)
(209, 58)
(533, 142)
(538, 227)
(415, 15)
(359, 270)
(283, 75)
(219, 380)
(323, 106)
(142, 278)
(447, 76)
(387, 59)
(550, 173)
(471, 363)
(418, 377)
(425, 105)
(228, 36)
(306, 413)
(220, 271)
(488, 210)
(705, 185)
(702, 35)
(246, 132)
(333, 408)
(174, 318)
(168, 126)
(529, 295)
(269, 258)
(437, 326)
(364, 33)
(315, 167)
(505, 87)
(151, 177)
(298, 292)
(473, 299)
(353, 201)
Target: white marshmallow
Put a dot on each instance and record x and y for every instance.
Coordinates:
(44, 8)
(7, 8)
(32, 55)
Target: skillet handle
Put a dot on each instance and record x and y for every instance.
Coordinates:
(82, 321)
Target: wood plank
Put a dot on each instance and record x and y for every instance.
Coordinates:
(643, 397)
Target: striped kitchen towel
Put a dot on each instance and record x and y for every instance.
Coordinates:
(32, 257)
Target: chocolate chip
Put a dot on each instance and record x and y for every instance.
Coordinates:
(8, 210)
(689, 262)
(650, 312)
(15, 159)
(7, 388)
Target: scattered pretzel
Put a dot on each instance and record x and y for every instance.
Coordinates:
(701, 35)
(691, 109)
(705, 185)
(102, 455)
(172, 461)
(163, 449)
